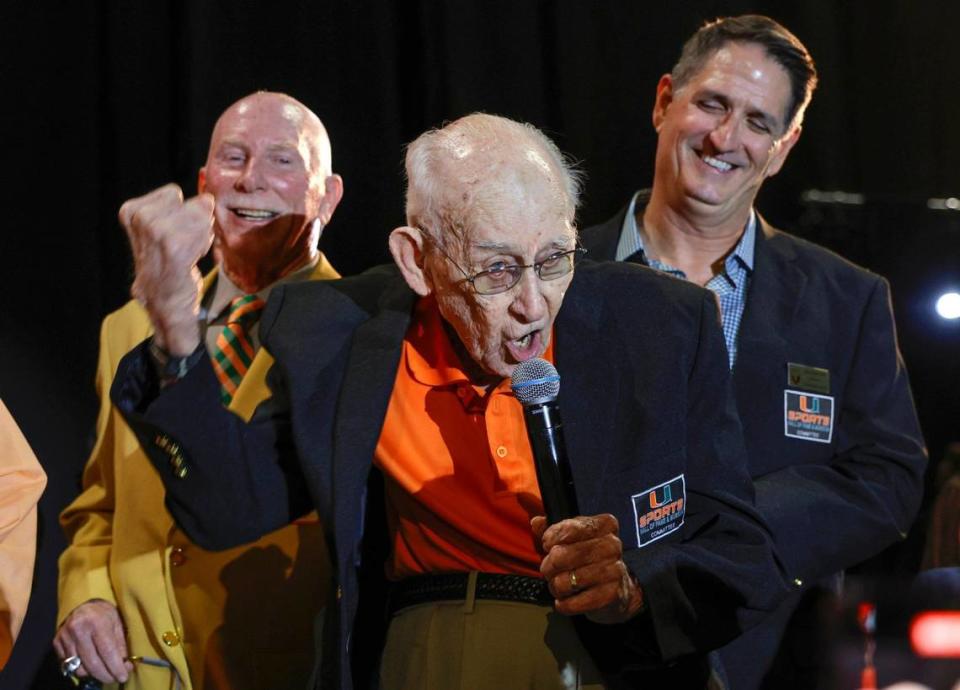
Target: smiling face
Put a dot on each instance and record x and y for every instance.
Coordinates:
(265, 172)
(500, 331)
(722, 133)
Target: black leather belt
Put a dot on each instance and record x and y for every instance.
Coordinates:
(455, 587)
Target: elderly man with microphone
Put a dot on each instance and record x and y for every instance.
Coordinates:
(392, 413)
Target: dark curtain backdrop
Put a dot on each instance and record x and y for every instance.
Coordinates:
(107, 100)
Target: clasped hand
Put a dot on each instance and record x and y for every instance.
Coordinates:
(584, 568)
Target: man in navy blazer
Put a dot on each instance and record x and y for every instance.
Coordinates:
(669, 558)
(832, 435)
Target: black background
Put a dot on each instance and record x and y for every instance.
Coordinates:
(107, 100)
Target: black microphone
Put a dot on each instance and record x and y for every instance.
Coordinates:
(536, 384)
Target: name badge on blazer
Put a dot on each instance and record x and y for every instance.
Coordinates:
(659, 510)
(813, 379)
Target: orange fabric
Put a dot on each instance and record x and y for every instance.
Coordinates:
(461, 486)
(21, 482)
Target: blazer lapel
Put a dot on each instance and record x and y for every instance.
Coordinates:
(368, 381)
(775, 293)
(588, 387)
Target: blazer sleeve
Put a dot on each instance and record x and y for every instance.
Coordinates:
(868, 495)
(88, 521)
(722, 575)
(229, 481)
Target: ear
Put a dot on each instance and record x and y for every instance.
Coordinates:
(406, 245)
(663, 101)
(780, 156)
(202, 180)
(332, 193)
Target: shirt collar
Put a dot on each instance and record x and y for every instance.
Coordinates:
(430, 359)
(631, 241)
(744, 251)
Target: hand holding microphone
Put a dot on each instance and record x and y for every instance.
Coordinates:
(583, 566)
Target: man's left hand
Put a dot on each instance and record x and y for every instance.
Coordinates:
(584, 568)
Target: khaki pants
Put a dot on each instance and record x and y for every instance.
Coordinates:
(481, 645)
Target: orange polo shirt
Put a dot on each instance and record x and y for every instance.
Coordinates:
(460, 480)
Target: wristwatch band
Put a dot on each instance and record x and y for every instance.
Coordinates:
(169, 368)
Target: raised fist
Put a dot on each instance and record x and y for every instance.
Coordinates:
(168, 237)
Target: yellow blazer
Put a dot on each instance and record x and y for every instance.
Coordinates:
(241, 618)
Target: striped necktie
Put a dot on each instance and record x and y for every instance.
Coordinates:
(233, 351)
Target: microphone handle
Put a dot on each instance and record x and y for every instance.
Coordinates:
(545, 431)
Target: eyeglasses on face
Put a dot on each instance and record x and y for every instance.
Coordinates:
(502, 276)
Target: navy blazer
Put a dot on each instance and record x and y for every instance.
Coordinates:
(830, 505)
(646, 399)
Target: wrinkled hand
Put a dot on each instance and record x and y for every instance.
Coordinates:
(94, 632)
(584, 568)
(168, 237)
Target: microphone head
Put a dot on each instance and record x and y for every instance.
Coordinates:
(535, 382)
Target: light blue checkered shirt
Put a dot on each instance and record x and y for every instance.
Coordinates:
(730, 286)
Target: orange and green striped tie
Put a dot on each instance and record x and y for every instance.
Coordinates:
(233, 351)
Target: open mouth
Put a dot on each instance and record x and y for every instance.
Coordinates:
(254, 214)
(525, 347)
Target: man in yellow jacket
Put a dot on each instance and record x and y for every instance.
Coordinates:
(138, 602)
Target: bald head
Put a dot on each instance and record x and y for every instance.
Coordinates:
(481, 163)
(281, 108)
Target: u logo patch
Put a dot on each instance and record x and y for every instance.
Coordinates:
(659, 510)
(807, 416)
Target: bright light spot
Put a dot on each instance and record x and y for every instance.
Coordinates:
(948, 306)
(538, 160)
(568, 676)
(936, 634)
